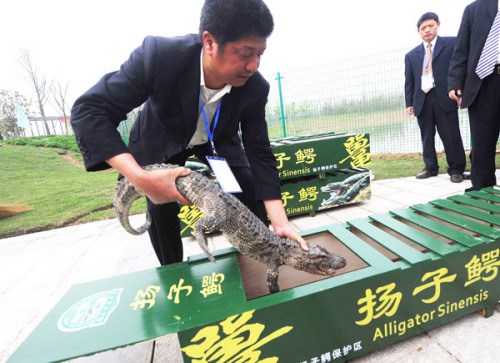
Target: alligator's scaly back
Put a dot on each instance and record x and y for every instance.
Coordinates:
(243, 229)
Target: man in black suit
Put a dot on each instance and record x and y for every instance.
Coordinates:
(476, 85)
(198, 92)
(426, 95)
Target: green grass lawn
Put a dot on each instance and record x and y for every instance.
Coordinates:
(53, 183)
(57, 191)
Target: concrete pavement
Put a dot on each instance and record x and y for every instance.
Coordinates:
(37, 269)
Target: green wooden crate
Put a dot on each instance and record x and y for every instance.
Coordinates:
(305, 195)
(318, 171)
(392, 288)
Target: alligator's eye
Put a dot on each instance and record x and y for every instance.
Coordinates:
(318, 258)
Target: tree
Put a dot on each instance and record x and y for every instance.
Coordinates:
(8, 116)
(42, 89)
(59, 97)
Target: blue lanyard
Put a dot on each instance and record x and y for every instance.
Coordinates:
(210, 133)
(426, 62)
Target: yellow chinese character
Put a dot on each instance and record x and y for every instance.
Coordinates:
(356, 147)
(308, 194)
(190, 214)
(306, 155)
(387, 303)
(176, 289)
(239, 341)
(285, 196)
(488, 264)
(279, 159)
(146, 297)
(436, 282)
(212, 284)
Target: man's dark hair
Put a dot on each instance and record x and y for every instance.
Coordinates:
(231, 20)
(427, 16)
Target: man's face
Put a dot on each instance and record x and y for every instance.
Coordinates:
(428, 30)
(237, 62)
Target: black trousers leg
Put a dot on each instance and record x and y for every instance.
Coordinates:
(427, 132)
(484, 116)
(165, 232)
(449, 132)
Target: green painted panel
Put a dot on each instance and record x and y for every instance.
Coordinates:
(462, 222)
(131, 308)
(439, 228)
(433, 244)
(482, 216)
(298, 157)
(393, 244)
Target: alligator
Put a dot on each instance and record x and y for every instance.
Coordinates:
(243, 229)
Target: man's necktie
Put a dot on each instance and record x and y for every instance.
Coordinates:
(427, 65)
(489, 55)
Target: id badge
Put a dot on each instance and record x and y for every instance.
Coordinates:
(224, 175)
(427, 81)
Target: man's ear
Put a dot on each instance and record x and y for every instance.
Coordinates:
(209, 43)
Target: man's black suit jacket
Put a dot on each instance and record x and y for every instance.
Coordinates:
(164, 74)
(476, 23)
(414, 59)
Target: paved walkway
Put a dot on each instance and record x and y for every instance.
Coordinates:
(37, 269)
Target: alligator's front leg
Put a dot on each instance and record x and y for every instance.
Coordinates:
(206, 224)
(272, 278)
(210, 223)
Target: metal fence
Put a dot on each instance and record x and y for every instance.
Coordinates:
(364, 95)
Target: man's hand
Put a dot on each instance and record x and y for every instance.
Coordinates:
(409, 110)
(288, 231)
(158, 185)
(456, 94)
(281, 224)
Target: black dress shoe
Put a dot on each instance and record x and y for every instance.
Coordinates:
(470, 189)
(424, 174)
(456, 178)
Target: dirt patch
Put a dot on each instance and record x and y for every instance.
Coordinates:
(72, 221)
(9, 210)
(405, 156)
(68, 157)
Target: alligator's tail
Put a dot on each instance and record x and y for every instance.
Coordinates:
(126, 195)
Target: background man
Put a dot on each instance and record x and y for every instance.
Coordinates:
(478, 76)
(175, 78)
(426, 95)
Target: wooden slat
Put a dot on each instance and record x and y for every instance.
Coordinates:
(438, 228)
(476, 214)
(482, 194)
(464, 199)
(457, 220)
(493, 190)
(393, 244)
(438, 247)
(367, 253)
